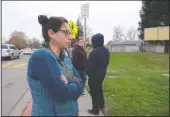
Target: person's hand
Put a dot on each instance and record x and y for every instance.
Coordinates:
(76, 80)
(63, 78)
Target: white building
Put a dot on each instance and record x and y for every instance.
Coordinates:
(126, 46)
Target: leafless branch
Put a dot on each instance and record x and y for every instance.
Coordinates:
(117, 34)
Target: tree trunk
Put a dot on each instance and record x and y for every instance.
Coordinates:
(166, 46)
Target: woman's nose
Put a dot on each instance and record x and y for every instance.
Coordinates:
(70, 37)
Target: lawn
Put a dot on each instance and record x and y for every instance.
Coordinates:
(135, 86)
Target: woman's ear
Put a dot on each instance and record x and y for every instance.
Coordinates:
(50, 33)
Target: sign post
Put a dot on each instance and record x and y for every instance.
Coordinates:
(85, 15)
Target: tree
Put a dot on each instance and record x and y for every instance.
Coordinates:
(108, 44)
(73, 42)
(89, 45)
(117, 34)
(29, 42)
(44, 44)
(80, 31)
(131, 34)
(80, 28)
(144, 15)
(34, 43)
(89, 34)
(18, 39)
(154, 14)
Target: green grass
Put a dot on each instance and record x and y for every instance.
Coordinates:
(139, 88)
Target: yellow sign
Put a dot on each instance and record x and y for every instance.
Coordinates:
(156, 33)
(74, 29)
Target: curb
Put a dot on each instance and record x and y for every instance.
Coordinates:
(27, 110)
(20, 105)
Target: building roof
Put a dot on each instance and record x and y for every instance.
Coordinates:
(7, 44)
(129, 42)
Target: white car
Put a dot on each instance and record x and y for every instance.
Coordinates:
(27, 51)
(10, 51)
(34, 50)
(21, 50)
(39, 47)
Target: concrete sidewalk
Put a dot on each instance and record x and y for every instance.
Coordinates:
(85, 103)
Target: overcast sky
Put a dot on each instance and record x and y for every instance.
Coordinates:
(103, 15)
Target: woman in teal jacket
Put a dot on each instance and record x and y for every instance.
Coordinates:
(54, 83)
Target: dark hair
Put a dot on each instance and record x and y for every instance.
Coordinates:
(53, 23)
(78, 40)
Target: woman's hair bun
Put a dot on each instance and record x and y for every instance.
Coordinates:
(42, 19)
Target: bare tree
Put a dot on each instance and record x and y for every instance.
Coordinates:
(131, 34)
(88, 31)
(29, 42)
(117, 34)
(125, 37)
(34, 43)
(80, 28)
(89, 34)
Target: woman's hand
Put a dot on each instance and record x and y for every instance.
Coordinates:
(76, 80)
(63, 78)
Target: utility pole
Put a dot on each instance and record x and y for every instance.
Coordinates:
(85, 15)
(85, 35)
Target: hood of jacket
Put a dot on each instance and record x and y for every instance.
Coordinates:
(97, 40)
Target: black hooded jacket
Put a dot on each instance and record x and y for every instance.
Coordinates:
(98, 59)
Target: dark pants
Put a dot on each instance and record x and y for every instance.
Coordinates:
(96, 94)
(82, 74)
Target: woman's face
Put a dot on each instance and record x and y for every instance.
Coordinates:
(80, 43)
(63, 37)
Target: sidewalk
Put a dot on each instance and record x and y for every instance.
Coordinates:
(84, 104)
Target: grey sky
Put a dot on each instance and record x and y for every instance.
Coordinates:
(103, 15)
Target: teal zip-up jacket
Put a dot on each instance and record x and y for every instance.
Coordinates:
(50, 95)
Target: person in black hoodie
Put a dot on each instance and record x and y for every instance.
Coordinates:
(98, 61)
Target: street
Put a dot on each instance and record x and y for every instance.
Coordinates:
(14, 83)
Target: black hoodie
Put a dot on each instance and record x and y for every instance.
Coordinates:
(98, 59)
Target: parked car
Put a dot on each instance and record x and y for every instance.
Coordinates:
(39, 47)
(34, 50)
(21, 50)
(9, 51)
(27, 51)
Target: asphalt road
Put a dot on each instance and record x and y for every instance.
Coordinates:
(14, 83)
